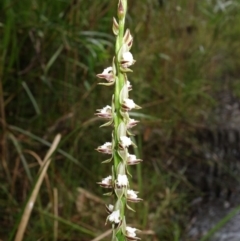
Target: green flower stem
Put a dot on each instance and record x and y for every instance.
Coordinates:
(121, 23)
(119, 84)
(119, 117)
(120, 80)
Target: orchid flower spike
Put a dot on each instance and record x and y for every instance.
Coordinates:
(117, 116)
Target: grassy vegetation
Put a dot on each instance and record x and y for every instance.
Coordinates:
(50, 53)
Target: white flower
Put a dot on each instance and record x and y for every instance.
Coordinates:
(125, 141)
(105, 112)
(122, 180)
(128, 104)
(106, 109)
(127, 56)
(106, 182)
(132, 160)
(130, 232)
(110, 207)
(127, 59)
(105, 148)
(114, 217)
(108, 70)
(129, 85)
(107, 74)
(131, 123)
(131, 194)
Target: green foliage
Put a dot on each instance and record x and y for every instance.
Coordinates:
(50, 53)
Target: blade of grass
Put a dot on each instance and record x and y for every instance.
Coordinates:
(70, 224)
(53, 59)
(102, 236)
(138, 153)
(30, 204)
(11, 199)
(9, 24)
(31, 97)
(3, 142)
(22, 157)
(65, 154)
(221, 223)
(55, 206)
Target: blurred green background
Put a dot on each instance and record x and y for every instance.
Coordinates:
(50, 53)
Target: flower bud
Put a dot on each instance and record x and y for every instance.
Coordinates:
(121, 168)
(123, 93)
(128, 39)
(121, 129)
(115, 27)
(121, 12)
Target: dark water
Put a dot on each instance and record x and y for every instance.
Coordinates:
(222, 218)
(220, 215)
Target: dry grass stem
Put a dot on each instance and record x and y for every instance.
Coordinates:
(102, 236)
(55, 208)
(30, 204)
